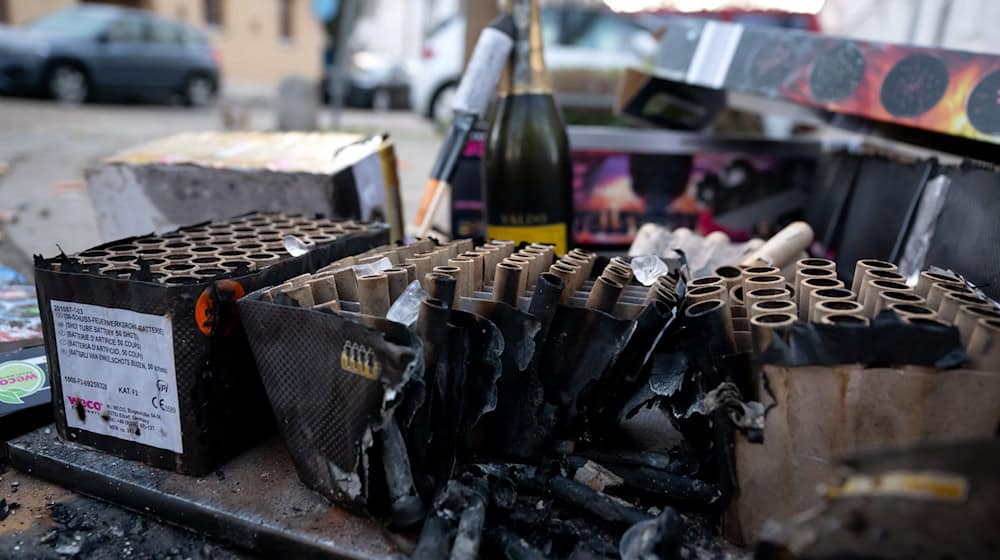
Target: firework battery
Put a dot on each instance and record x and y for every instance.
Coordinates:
(147, 355)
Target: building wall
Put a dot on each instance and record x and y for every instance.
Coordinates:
(249, 41)
(23, 11)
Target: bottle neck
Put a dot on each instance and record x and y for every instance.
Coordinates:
(527, 73)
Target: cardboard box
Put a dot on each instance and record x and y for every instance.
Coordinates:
(196, 177)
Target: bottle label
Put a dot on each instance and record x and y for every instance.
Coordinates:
(554, 234)
(479, 83)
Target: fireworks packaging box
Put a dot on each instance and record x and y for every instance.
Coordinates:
(623, 178)
(828, 398)
(941, 98)
(195, 177)
(147, 355)
(25, 396)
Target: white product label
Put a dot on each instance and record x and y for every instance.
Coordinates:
(371, 188)
(117, 371)
(479, 83)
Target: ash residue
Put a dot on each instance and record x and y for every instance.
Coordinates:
(96, 531)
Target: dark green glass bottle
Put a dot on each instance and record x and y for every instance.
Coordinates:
(527, 172)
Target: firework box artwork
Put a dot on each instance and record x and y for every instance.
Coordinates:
(935, 90)
(25, 395)
(623, 178)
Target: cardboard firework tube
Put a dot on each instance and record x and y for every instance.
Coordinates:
(466, 277)
(752, 283)
(952, 301)
(506, 245)
(411, 272)
(330, 306)
(464, 245)
(764, 328)
(373, 294)
(783, 246)
(707, 281)
(546, 251)
(475, 271)
(406, 252)
(301, 295)
(209, 273)
(764, 294)
(730, 274)
(577, 275)
(736, 296)
(907, 310)
(526, 265)
(422, 266)
(93, 255)
(263, 259)
(662, 294)
(480, 271)
(370, 259)
(156, 264)
(347, 284)
(324, 289)
(873, 290)
(710, 317)
(928, 279)
(669, 281)
(568, 277)
(422, 245)
(888, 298)
(968, 317)
(616, 275)
(835, 307)
(578, 260)
(398, 280)
(585, 256)
(533, 266)
(759, 269)
(507, 283)
(440, 256)
(826, 294)
(876, 274)
(845, 319)
(457, 273)
(867, 264)
(815, 262)
(804, 274)
(604, 295)
(936, 294)
(809, 286)
(770, 306)
(442, 287)
(702, 293)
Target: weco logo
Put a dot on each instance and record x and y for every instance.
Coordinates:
(83, 403)
(360, 359)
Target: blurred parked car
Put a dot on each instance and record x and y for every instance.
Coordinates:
(375, 81)
(88, 52)
(586, 51)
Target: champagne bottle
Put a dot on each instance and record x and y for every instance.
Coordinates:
(527, 173)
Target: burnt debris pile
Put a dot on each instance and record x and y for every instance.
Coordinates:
(479, 394)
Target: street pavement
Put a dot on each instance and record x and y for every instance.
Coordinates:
(46, 147)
